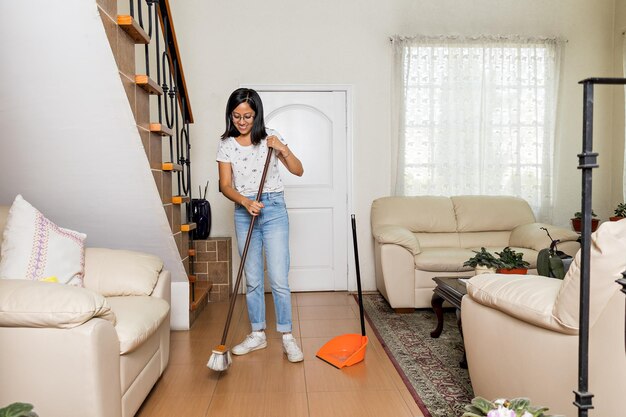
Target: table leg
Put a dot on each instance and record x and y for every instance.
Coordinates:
(463, 363)
(437, 303)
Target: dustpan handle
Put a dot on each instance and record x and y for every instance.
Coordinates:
(358, 275)
(244, 254)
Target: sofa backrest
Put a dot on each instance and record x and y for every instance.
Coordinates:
(418, 214)
(482, 213)
(607, 262)
(4, 213)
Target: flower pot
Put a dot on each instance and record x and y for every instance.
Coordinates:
(616, 218)
(577, 224)
(480, 269)
(516, 271)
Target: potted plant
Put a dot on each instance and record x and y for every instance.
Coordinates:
(551, 262)
(578, 218)
(620, 212)
(512, 262)
(483, 262)
(481, 407)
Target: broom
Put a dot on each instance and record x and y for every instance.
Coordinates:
(221, 359)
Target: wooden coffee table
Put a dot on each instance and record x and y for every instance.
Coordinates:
(452, 290)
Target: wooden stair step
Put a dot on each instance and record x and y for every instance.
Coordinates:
(133, 29)
(161, 129)
(180, 199)
(148, 84)
(170, 166)
(191, 252)
(187, 227)
(201, 294)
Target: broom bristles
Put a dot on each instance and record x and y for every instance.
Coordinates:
(220, 359)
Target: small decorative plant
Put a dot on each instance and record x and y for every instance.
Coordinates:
(577, 221)
(512, 260)
(620, 212)
(484, 259)
(18, 410)
(517, 407)
(550, 260)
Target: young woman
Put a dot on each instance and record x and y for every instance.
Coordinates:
(241, 155)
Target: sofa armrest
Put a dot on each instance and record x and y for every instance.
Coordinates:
(532, 237)
(26, 303)
(114, 272)
(63, 372)
(163, 287)
(397, 235)
(529, 298)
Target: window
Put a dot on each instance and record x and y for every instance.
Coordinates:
(476, 116)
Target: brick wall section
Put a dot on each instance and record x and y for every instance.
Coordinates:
(214, 264)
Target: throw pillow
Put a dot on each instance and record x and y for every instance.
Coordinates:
(35, 248)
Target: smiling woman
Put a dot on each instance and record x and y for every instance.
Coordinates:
(245, 147)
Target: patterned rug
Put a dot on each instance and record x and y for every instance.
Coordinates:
(429, 367)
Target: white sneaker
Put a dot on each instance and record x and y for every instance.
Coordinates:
(254, 341)
(290, 347)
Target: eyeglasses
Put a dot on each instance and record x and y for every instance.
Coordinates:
(246, 117)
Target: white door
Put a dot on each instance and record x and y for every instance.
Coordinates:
(313, 123)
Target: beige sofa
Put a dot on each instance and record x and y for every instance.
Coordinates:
(521, 332)
(94, 351)
(418, 238)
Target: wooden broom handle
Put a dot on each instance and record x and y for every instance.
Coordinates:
(245, 249)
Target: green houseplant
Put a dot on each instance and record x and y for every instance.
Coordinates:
(483, 262)
(18, 410)
(517, 407)
(512, 262)
(620, 212)
(578, 218)
(551, 261)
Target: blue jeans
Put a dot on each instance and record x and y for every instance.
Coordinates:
(270, 235)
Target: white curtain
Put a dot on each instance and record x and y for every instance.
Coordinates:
(475, 116)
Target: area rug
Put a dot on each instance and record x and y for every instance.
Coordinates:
(430, 367)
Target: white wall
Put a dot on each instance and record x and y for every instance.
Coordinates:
(69, 142)
(225, 44)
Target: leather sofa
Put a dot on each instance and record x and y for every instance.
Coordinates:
(418, 238)
(521, 332)
(93, 351)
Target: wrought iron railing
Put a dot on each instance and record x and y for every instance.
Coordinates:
(162, 56)
(587, 162)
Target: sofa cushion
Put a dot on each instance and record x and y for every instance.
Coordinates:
(480, 213)
(529, 298)
(443, 259)
(607, 262)
(114, 272)
(33, 247)
(25, 303)
(138, 317)
(418, 214)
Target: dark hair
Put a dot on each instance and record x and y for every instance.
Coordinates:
(245, 95)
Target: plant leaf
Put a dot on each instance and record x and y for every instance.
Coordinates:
(483, 405)
(556, 267)
(543, 262)
(18, 410)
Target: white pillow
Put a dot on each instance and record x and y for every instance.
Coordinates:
(34, 248)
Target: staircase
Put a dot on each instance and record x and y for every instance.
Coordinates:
(143, 31)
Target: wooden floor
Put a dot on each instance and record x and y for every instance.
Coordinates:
(264, 383)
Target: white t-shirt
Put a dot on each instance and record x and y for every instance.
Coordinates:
(247, 165)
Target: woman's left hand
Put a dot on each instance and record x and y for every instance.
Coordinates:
(274, 142)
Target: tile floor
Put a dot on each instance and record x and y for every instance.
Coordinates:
(264, 383)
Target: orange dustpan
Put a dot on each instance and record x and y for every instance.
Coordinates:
(347, 349)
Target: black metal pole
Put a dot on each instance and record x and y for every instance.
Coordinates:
(622, 282)
(587, 162)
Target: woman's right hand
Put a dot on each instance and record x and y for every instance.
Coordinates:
(253, 207)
